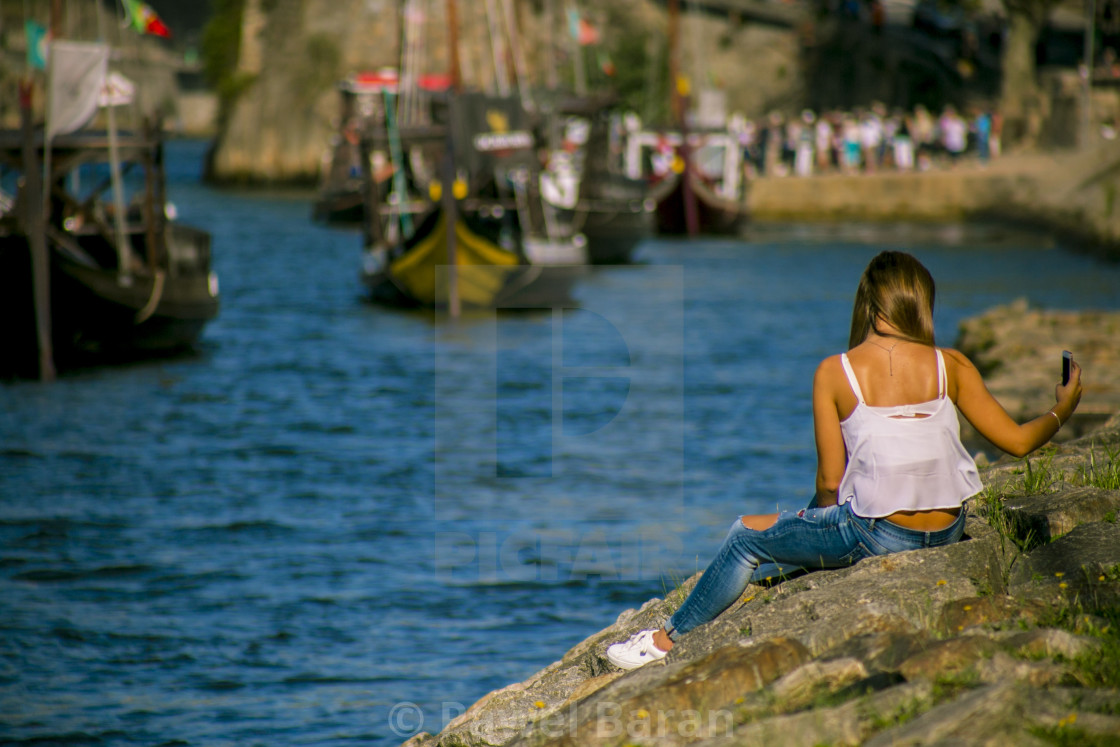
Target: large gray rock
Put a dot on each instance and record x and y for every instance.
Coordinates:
(1081, 564)
(952, 645)
(1052, 515)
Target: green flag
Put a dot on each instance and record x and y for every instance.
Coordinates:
(37, 38)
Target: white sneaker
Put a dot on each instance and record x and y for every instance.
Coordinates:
(635, 652)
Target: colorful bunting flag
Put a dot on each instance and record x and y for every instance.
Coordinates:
(581, 30)
(606, 64)
(145, 20)
(573, 23)
(588, 34)
(37, 44)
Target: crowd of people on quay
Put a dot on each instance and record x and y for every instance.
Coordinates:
(868, 140)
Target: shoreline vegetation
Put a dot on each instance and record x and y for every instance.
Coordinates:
(1011, 636)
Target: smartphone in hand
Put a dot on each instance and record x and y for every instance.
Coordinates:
(1067, 357)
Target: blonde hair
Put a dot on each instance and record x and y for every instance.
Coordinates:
(899, 289)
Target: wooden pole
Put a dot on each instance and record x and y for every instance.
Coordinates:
(159, 176)
(674, 60)
(691, 215)
(371, 213)
(450, 215)
(153, 206)
(453, 44)
(34, 227)
(56, 19)
(124, 253)
(449, 208)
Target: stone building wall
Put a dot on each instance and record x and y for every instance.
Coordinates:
(293, 52)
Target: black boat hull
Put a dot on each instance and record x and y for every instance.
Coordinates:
(98, 318)
(716, 215)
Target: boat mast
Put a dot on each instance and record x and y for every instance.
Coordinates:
(520, 68)
(576, 48)
(497, 49)
(550, 19)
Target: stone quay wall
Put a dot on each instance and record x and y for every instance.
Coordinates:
(1072, 193)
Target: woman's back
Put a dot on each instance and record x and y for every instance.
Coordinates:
(906, 375)
(904, 448)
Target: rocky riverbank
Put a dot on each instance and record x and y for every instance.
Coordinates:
(1009, 637)
(1018, 350)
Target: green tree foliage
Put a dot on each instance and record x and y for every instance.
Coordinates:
(641, 80)
(221, 45)
(640, 65)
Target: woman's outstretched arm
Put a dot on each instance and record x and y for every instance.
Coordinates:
(989, 418)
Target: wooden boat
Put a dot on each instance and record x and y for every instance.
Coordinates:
(138, 287)
(713, 174)
(509, 247)
(699, 164)
(615, 214)
(613, 210)
(363, 97)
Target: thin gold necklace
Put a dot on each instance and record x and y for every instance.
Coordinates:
(890, 350)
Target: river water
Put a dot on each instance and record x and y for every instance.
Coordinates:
(339, 523)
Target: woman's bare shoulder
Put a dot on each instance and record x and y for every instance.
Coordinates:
(962, 374)
(830, 370)
(957, 357)
(830, 365)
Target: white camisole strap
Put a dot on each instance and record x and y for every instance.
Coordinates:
(942, 376)
(851, 377)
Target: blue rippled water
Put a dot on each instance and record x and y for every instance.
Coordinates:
(335, 512)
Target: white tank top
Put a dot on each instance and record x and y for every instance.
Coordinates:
(905, 458)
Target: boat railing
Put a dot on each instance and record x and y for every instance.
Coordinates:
(188, 249)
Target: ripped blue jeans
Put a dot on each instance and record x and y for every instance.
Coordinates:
(809, 539)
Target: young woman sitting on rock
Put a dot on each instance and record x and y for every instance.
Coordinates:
(892, 474)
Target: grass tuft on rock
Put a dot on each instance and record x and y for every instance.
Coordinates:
(1105, 475)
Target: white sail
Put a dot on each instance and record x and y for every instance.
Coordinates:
(77, 74)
